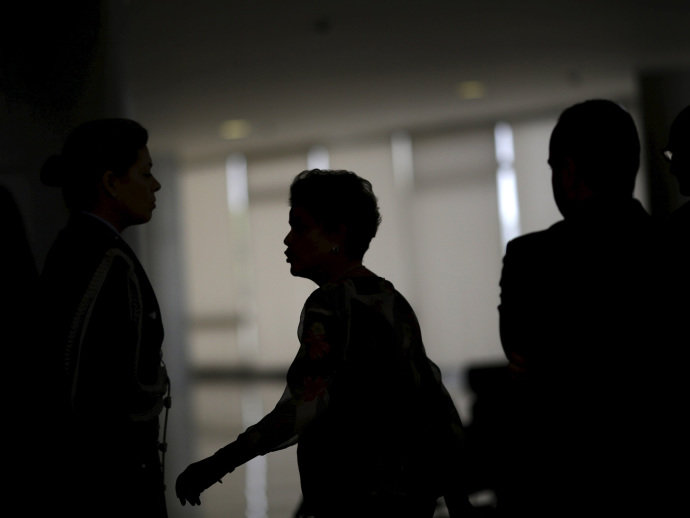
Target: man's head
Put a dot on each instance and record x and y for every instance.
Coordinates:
(594, 152)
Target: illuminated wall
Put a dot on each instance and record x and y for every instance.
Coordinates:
(441, 240)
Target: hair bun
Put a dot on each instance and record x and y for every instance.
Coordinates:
(53, 171)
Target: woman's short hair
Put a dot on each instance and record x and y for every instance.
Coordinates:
(89, 151)
(338, 197)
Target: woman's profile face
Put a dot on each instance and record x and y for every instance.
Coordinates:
(309, 246)
(136, 190)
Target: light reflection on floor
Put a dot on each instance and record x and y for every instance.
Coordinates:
(266, 487)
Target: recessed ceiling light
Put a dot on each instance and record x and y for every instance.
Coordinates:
(471, 90)
(235, 129)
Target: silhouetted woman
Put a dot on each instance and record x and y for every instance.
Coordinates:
(101, 328)
(376, 431)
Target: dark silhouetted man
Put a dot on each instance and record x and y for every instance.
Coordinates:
(577, 329)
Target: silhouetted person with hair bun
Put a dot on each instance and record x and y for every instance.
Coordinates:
(578, 326)
(377, 433)
(101, 329)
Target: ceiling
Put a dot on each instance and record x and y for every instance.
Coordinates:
(305, 72)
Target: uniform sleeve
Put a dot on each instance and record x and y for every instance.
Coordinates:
(103, 342)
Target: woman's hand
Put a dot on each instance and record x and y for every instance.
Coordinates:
(198, 477)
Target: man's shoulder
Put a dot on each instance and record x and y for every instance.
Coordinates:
(537, 238)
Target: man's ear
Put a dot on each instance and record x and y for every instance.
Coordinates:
(109, 183)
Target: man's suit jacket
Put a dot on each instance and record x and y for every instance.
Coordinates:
(574, 297)
(580, 312)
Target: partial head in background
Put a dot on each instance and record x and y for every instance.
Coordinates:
(594, 153)
(105, 168)
(678, 150)
(334, 215)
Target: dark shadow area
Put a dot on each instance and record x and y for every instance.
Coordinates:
(22, 401)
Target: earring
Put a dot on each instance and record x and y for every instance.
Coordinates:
(335, 249)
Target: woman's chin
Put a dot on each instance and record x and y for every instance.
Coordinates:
(296, 271)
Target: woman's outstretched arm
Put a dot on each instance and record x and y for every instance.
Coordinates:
(306, 396)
